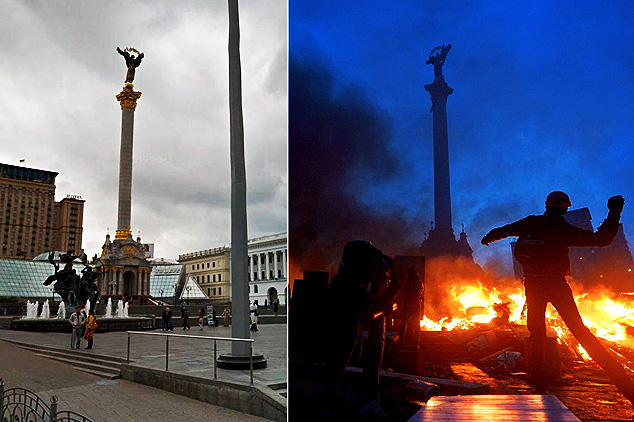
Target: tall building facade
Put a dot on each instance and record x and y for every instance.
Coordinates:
(210, 269)
(32, 222)
(267, 266)
(268, 269)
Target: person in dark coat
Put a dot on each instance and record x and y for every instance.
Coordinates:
(542, 251)
(167, 319)
(185, 317)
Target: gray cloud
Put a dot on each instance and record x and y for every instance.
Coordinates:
(60, 73)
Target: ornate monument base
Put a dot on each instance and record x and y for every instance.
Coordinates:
(123, 269)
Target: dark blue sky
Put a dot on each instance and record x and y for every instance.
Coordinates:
(543, 100)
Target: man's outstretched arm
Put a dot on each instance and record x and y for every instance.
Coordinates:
(514, 229)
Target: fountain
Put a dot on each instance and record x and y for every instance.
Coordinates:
(31, 310)
(41, 321)
(46, 312)
(108, 309)
(119, 312)
(87, 307)
(61, 311)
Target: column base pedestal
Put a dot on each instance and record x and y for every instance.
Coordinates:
(230, 361)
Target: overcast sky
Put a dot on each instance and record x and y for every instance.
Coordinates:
(60, 72)
(543, 100)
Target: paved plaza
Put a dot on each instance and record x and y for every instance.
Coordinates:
(120, 400)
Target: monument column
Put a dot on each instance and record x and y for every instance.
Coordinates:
(441, 240)
(267, 276)
(127, 98)
(259, 266)
(439, 91)
(139, 281)
(119, 281)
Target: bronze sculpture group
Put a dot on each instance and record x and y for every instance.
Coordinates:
(69, 285)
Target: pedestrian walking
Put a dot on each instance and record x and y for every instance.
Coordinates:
(185, 314)
(253, 309)
(226, 316)
(83, 312)
(542, 250)
(91, 326)
(201, 318)
(77, 323)
(276, 307)
(167, 319)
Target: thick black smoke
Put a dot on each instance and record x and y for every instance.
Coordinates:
(338, 147)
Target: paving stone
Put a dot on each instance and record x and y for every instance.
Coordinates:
(121, 400)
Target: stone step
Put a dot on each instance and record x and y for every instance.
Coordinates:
(281, 388)
(77, 355)
(99, 373)
(79, 352)
(114, 371)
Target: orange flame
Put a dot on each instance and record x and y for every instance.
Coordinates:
(607, 314)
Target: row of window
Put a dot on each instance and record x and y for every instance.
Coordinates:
(212, 291)
(197, 266)
(201, 279)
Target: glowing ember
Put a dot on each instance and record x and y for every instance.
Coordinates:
(583, 353)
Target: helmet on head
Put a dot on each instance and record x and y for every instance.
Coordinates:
(558, 199)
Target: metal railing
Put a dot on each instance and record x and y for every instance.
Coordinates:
(19, 404)
(215, 339)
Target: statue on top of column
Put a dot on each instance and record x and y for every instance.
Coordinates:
(131, 61)
(437, 58)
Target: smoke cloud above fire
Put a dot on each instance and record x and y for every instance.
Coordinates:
(340, 150)
(339, 146)
(540, 103)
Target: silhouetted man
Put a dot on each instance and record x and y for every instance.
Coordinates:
(542, 251)
(362, 293)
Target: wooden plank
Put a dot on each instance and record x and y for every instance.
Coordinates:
(468, 372)
(498, 408)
